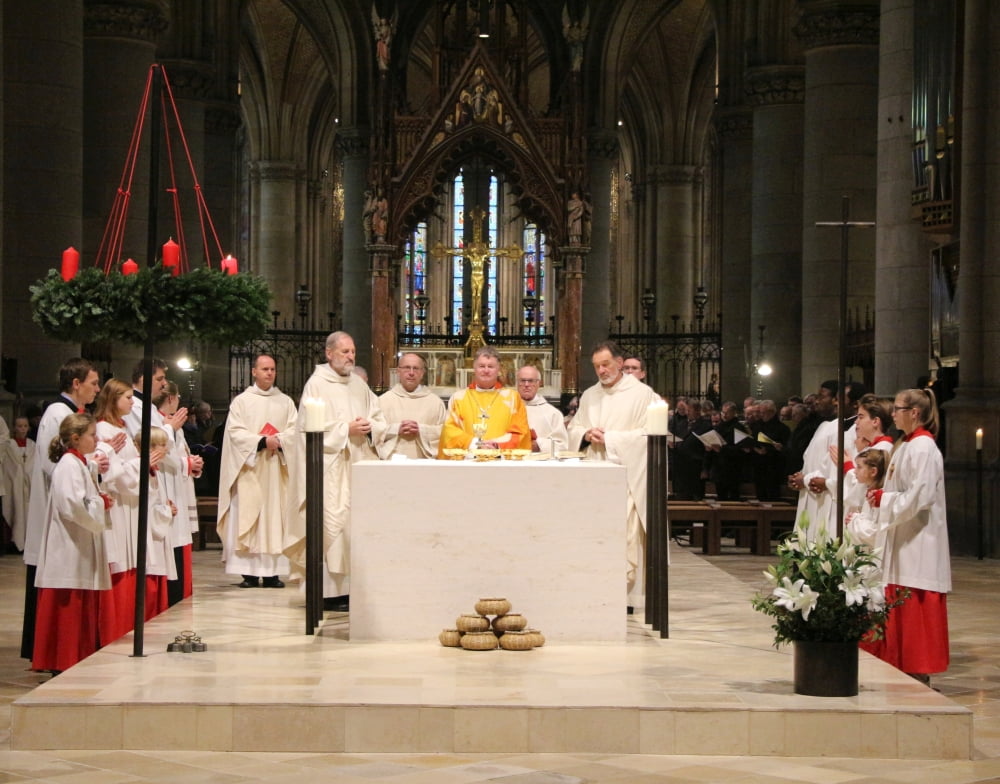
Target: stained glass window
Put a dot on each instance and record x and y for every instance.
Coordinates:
(533, 278)
(415, 283)
(457, 262)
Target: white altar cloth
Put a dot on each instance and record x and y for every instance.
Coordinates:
(429, 538)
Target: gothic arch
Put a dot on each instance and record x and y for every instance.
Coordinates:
(511, 147)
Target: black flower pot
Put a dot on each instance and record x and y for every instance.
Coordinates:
(826, 669)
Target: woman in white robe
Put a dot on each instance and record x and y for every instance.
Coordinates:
(916, 559)
(121, 481)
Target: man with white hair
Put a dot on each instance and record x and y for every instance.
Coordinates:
(413, 414)
(610, 425)
(548, 431)
(353, 424)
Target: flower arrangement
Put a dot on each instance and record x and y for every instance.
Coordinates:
(829, 590)
(205, 304)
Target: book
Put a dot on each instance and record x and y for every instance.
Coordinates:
(764, 439)
(711, 438)
(739, 435)
(268, 430)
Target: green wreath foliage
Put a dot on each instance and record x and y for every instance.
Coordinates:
(203, 304)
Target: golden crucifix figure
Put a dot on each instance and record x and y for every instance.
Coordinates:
(477, 252)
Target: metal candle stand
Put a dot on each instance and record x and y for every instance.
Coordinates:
(314, 530)
(657, 535)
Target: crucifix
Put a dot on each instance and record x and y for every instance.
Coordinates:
(477, 252)
(845, 224)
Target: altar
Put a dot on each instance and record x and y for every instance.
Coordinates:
(429, 538)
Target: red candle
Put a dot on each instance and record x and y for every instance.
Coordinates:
(129, 267)
(230, 265)
(172, 256)
(70, 263)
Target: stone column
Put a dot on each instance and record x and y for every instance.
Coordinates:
(902, 251)
(383, 321)
(43, 173)
(776, 234)
(578, 337)
(734, 128)
(977, 401)
(674, 254)
(221, 124)
(120, 46)
(357, 291)
(841, 91)
(274, 221)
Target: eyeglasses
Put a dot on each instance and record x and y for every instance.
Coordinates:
(529, 381)
(901, 408)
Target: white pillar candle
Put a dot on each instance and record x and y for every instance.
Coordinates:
(314, 411)
(657, 418)
(979, 440)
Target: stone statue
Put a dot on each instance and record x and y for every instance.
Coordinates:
(383, 37)
(575, 33)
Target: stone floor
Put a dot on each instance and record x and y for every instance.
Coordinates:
(973, 681)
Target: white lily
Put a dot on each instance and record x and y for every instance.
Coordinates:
(854, 588)
(796, 596)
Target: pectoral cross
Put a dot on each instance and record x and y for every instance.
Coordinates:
(477, 252)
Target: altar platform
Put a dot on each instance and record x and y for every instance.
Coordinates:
(715, 687)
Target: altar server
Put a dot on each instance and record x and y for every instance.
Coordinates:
(72, 568)
(610, 425)
(121, 482)
(413, 414)
(253, 482)
(180, 490)
(160, 564)
(78, 386)
(912, 518)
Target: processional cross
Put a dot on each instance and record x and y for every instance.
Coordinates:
(845, 224)
(477, 252)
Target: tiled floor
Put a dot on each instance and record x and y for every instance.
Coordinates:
(972, 681)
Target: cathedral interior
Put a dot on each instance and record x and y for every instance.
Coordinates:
(717, 184)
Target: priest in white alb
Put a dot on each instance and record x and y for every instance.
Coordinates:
(610, 425)
(548, 429)
(353, 425)
(817, 481)
(413, 414)
(253, 480)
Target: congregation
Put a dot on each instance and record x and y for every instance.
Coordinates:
(71, 495)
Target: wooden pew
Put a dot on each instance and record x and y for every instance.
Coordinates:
(776, 516)
(686, 514)
(207, 511)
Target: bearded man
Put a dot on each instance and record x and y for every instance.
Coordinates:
(610, 425)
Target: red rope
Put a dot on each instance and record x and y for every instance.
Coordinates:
(113, 238)
(174, 194)
(203, 214)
